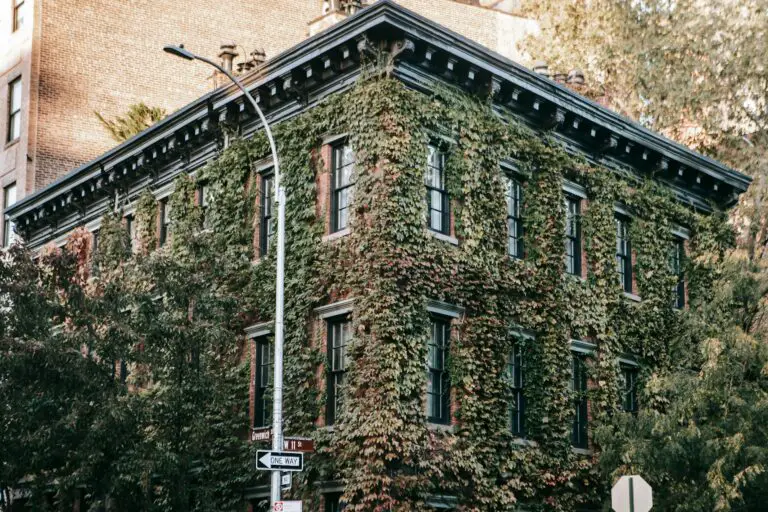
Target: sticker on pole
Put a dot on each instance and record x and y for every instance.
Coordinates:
(631, 494)
(287, 506)
(267, 460)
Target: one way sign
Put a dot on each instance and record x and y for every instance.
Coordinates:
(284, 461)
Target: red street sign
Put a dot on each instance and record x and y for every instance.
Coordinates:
(291, 444)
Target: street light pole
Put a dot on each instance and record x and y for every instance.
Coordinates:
(277, 405)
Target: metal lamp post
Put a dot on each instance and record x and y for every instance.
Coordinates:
(277, 415)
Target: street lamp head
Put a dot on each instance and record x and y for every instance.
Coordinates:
(179, 51)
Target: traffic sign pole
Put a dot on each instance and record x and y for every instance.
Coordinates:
(631, 494)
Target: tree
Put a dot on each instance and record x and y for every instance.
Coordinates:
(138, 118)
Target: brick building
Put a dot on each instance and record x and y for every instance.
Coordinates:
(60, 62)
(424, 55)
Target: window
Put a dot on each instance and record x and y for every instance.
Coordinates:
(573, 235)
(94, 252)
(342, 186)
(264, 362)
(339, 332)
(514, 218)
(130, 227)
(628, 384)
(515, 382)
(439, 384)
(579, 388)
(18, 15)
(676, 258)
(333, 502)
(9, 198)
(14, 110)
(623, 253)
(266, 226)
(202, 203)
(165, 221)
(438, 208)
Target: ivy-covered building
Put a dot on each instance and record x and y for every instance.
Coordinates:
(482, 264)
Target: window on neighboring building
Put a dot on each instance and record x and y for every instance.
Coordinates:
(439, 383)
(514, 218)
(579, 388)
(94, 251)
(515, 383)
(628, 384)
(9, 198)
(266, 224)
(263, 398)
(130, 227)
(438, 205)
(333, 502)
(14, 110)
(573, 235)
(623, 253)
(18, 14)
(342, 186)
(165, 221)
(677, 256)
(339, 333)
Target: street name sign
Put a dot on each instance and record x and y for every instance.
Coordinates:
(631, 494)
(287, 506)
(284, 461)
(290, 444)
(261, 434)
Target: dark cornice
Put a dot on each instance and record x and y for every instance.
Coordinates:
(326, 63)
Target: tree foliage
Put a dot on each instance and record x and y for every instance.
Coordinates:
(138, 118)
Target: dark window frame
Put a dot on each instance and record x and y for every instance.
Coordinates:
(439, 379)
(333, 502)
(573, 240)
(677, 259)
(516, 385)
(202, 202)
(266, 211)
(580, 430)
(7, 224)
(130, 227)
(165, 221)
(514, 193)
(343, 189)
(262, 416)
(339, 332)
(623, 252)
(14, 114)
(437, 190)
(628, 397)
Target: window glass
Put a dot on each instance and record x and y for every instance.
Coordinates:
(264, 365)
(515, 383)
(165, 221)
(342, 186)
(579, 388)
(18, 14)
(676, 258)
(514, 218)
(266, 226)
(339, 333)
(623, 253)
(439, 382)
(628, 386)
(9, 199)
(573, 235)
(438, 214)
(14, 110)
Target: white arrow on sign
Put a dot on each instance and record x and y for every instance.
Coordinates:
(631, 494)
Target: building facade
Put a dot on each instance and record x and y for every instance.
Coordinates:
(493, 259)
(63, 62)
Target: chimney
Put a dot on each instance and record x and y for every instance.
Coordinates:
(256, 59)
(560, 77)
(540, 67)
(576, 77)
(227, 55)
(333, 11)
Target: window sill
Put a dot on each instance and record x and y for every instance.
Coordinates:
(445, 238)
(11, 143)
(335, 236)
(578, 279)
(581, 451)
(632, 297)
(522, 442)
(441, 427)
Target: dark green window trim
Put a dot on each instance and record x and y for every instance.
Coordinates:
(438, 203)
(516, 398)
(623, 253)
(515, 246)
(339, 334)
(263, 387)
(629, 388)
(579, 434)
(573, 235)
(342, 186)
(439, 381)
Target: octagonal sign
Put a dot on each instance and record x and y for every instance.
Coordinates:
(631, 494)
